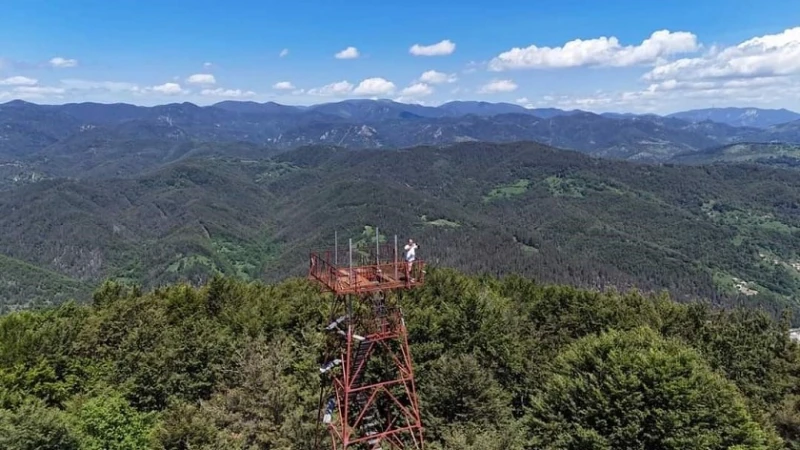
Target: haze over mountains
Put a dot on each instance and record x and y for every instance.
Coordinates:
(740, 117)
(47, 139)
(178, 191)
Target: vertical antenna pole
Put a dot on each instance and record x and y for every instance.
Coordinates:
(349, 299)
(350, 241)
(377, 248)
(395, 257)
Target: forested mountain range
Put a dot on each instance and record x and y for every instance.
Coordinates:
(38, 133)
(773, 153)
(151, 198)
(740, 117)
(724, 232)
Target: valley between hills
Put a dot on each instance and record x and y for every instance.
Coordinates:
(180, 192)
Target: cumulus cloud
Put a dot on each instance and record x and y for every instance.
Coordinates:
(416, 90)
(498, 86)
(18, 81)
(443, 48)
(367, 87)
(673, 95)
(227, 93)
(168, 89)
(602, 51)
(338, 88)
(202, 78)
(89, 85)
(348, 53)
(473, 66)
(60, 62)
(434, 77)
(37, 91)
(283, 85)
(525, 102)
(761, 71)
(374, 86)
(283, 53)
(763, 56)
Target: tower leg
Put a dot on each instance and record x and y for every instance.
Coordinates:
(373, 381)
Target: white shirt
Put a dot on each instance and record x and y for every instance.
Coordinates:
(411, 250)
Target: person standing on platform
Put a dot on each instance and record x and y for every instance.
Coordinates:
(411, 256)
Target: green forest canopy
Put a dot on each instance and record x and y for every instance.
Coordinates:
(729, 233)
(500, 363)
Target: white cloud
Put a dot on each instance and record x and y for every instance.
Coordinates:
(18, 81)
(434, 77)
(367, 87)
(348, 53)
(762, 71)
(207, 65)
(283, 85)
(673, 95)
(602, 51)
(412, 101)
(63, 62)
(88, 85)
(228, 93)
(168, 89)
(338, 88)
(374, 86)
(472, 67)
(524, 102)
(445, 47)
(417, 90)
(498, 86)
(37, 91)
(202, 78)
(763, 56)
(283, 53)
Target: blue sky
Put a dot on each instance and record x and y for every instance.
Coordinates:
(612, 55)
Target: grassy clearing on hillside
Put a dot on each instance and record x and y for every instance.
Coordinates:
(440, 222)
(511, 190)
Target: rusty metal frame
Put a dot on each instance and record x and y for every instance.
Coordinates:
(344, 432)
(364, 279)
(401, 424)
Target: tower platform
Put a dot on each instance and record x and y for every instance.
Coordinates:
(381, 275)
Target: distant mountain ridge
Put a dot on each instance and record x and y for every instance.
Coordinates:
(366, 109)
(51, 136)
(740, 117)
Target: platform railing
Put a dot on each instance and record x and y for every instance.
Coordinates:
(340, 278)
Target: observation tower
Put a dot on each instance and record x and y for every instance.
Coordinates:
(368, 398)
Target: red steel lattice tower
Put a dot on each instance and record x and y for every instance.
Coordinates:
(369, 398)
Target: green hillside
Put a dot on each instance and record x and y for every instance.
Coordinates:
(728, 233)
(23, 285)
(500, 364)
(775, 154)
